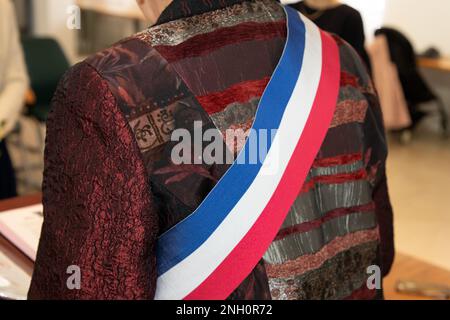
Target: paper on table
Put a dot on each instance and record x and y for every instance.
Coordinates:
(22, 227)
(14, 282)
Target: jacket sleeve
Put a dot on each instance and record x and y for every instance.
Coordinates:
(98, 213)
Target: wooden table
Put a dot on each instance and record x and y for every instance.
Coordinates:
(410, 269)
(405, 267)
(439, 64)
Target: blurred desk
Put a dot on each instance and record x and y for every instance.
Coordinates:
(7, 248)
(411, 269)
(116, 8)
(440, 64)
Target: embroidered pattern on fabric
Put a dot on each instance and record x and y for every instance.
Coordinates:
(153, 129)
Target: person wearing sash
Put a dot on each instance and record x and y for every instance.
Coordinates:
(134, 216)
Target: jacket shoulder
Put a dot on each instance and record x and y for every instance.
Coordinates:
(82, 94)
(125, 54)
(137, 75)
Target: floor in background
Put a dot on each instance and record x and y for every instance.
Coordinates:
(419, 182)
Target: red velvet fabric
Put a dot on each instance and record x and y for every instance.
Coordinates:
(98, 213)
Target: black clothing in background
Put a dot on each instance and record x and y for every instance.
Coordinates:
(7, 177)
(342, 20)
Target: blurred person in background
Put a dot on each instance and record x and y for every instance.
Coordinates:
(13, 87)
(387, 82)
(116, 203)
(338, 18)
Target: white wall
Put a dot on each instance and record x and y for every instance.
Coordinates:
(372, 12)
(426, 23)
(50, 17)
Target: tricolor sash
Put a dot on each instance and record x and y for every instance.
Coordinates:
(208, 255)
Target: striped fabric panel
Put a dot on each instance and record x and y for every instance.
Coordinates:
(240, 93)
(312, 224)
(351, 62)
(348, 196)
(315, 231)
(336, 171)
(352, 106)
(351, 93)
(341, 185)
(310, 262)
(296, 245)
(314, 182)
(334, 144)
(228, 66)
(350, 80)
(208, 50)
(179, 31)
(319, 277)
(338, 162)
(350, 111)
(205, 43)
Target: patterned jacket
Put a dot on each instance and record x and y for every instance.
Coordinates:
(110, 187)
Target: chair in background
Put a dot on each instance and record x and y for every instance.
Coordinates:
(416, 90)
(46, 64)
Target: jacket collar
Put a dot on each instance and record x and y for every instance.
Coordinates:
(179, 9)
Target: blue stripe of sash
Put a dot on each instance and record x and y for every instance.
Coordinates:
(188, 235)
